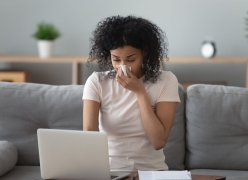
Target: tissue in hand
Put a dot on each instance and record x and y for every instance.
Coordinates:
(124, 69)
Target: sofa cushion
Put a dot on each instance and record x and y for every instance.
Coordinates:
(174, 149)
(217, 126)
(25, 107)
(8, 157)
(23, 173)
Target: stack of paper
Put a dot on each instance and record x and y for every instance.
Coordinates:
(164, 175)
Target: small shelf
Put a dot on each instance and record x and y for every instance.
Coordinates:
(77, 60)
(36, 59)
(201, 60)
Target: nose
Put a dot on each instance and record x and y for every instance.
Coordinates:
(122, 63)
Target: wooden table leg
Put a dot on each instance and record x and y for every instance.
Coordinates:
(76, 73)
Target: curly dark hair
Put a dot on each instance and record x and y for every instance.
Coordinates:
(118, 31)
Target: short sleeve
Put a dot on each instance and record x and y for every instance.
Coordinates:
(91, 88)
(170, 89)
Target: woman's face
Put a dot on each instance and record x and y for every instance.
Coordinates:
(130, 56)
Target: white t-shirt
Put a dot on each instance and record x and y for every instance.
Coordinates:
(119, 116)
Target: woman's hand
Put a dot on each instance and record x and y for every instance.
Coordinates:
(131, 83)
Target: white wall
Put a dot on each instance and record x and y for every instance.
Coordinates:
(186, 22)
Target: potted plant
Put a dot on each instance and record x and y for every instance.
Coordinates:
(46, 34)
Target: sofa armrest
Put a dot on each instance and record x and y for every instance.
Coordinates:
(8, 157)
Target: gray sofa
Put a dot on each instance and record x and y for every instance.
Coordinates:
(209, 135)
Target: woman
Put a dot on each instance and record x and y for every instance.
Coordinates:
(137, 112)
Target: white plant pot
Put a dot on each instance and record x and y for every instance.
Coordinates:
(45, 48)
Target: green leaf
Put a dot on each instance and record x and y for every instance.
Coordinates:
(46, 31)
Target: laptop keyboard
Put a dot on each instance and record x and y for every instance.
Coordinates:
(112, 177)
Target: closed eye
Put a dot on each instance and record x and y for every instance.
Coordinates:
(117, 60)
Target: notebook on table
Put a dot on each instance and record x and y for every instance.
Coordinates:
(175, 175)
(171, 175)
(164, 175)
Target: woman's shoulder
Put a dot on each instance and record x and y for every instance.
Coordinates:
(99, 76)
(167, 76)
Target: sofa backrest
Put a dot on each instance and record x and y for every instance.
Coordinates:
(217, 127)
(174, 149)
(25, 107)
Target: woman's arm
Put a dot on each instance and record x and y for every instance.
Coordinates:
(157, 124)
(90, 115)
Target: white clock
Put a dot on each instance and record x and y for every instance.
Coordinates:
(208, 49)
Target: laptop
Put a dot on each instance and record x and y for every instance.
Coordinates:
(74, 154)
